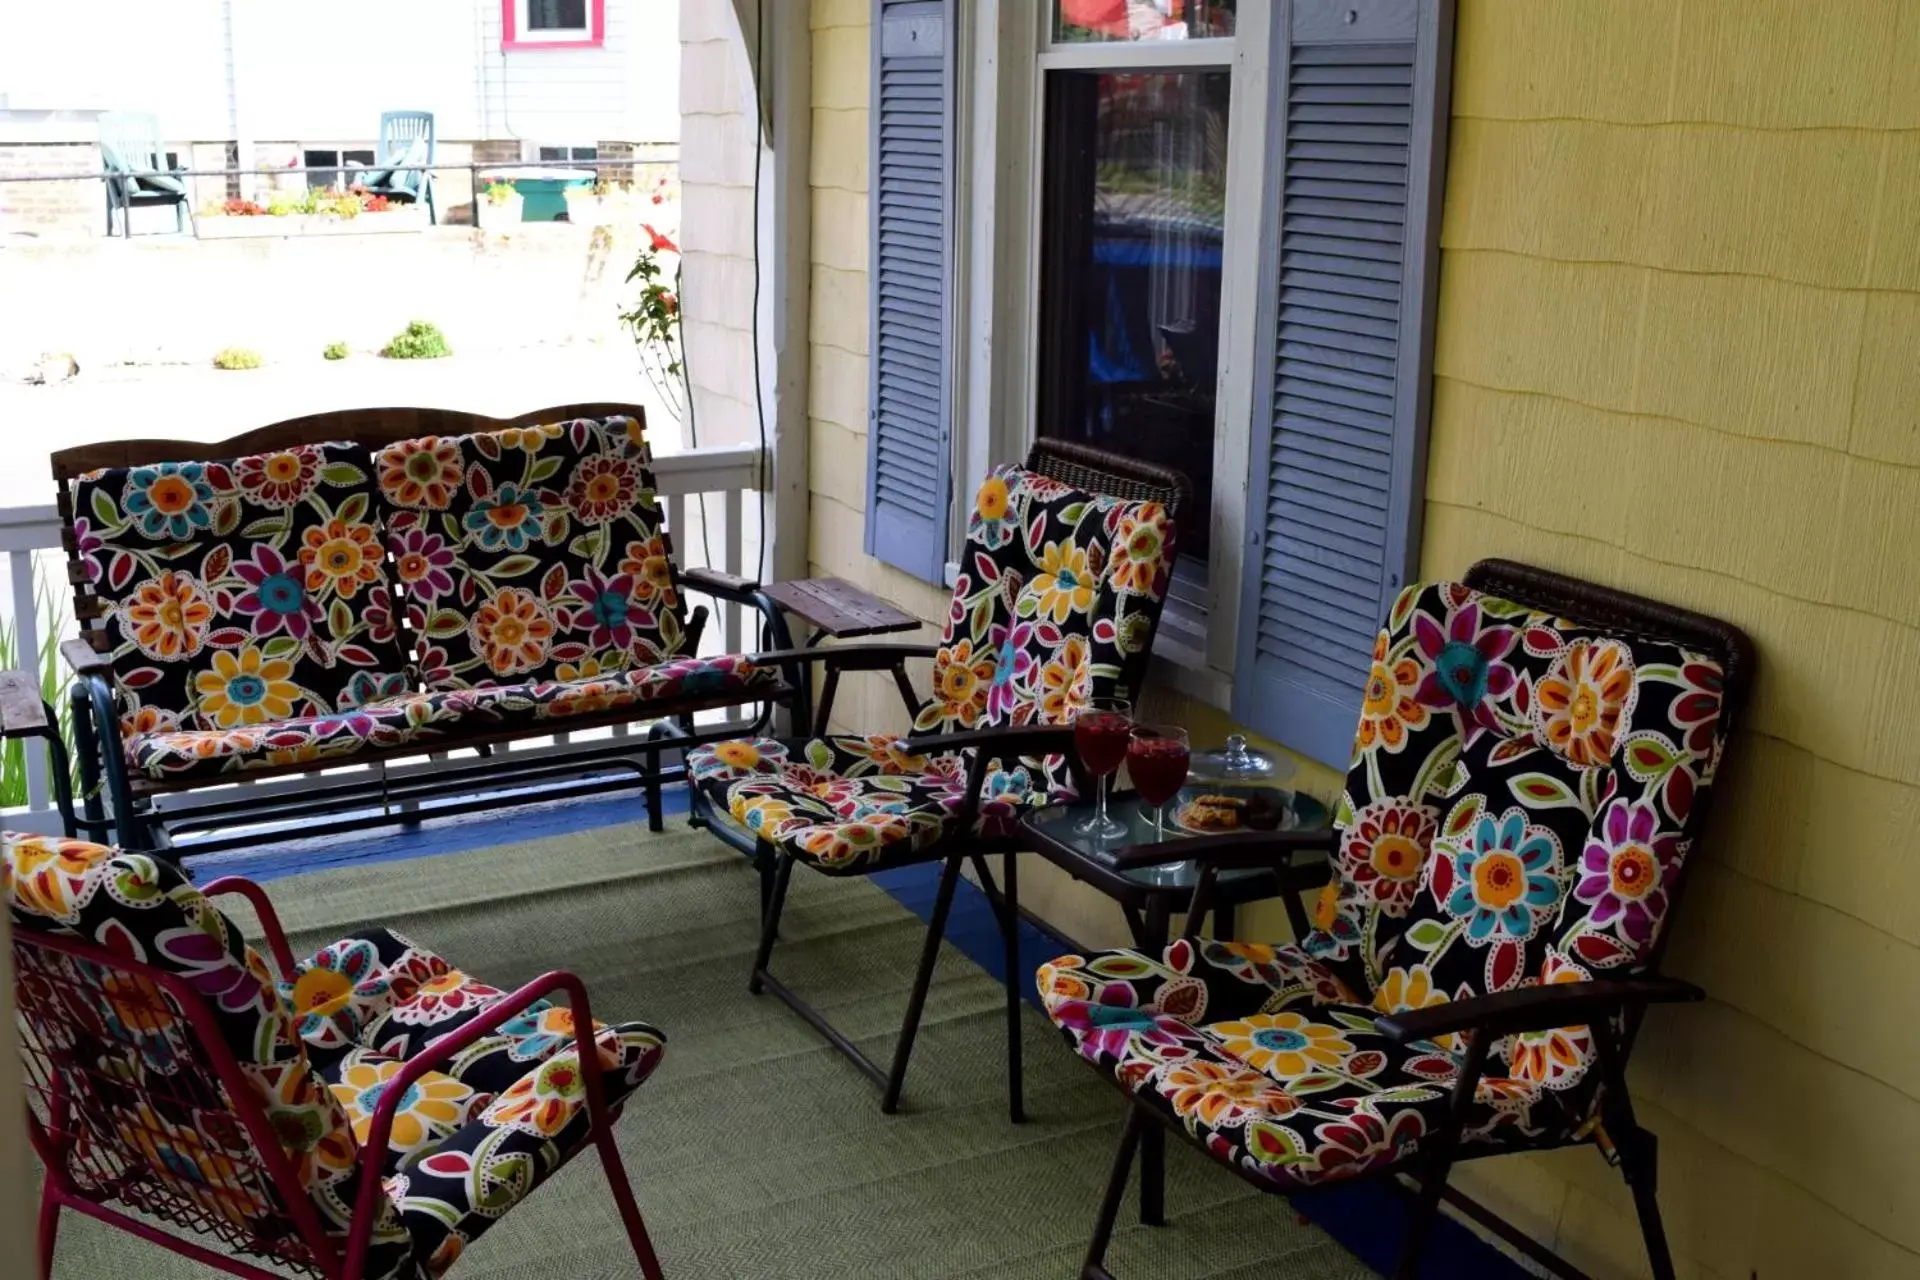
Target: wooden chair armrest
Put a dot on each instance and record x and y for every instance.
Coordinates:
(82, 658)
(719, 582)
(848, 657)
(1536, 1008)
(22, 711)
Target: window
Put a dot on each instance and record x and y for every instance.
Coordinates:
(1205, 234)
(1102, 20)
(1132, 222)
(567, 153)
(552, 24)
(335, 168)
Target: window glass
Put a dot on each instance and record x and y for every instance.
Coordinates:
(556, 15)
(1135, 195)
(1076, 21)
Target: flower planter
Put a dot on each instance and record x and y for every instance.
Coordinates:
(587, 209)
(502, 213)
(406, 218)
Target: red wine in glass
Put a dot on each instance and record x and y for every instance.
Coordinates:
(1100, 734)
(1157, 760)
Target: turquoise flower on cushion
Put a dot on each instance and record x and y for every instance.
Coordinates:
(1507, 878)
(507, 521)
(170, 500)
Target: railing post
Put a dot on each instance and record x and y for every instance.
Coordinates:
(26, 656)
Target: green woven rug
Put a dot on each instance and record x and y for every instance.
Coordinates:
(755, 1150)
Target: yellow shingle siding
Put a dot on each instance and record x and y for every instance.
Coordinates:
(1678, 326)
(1679, 318)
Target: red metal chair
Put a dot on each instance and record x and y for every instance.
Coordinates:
(167, 1075)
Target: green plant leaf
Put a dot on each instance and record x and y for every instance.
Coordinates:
(280, 647)
(264, 528)
(354, 509)
(1427, 934)
(339, 618)
(103, 508)
(544, 469)
(445, 623)
(342, 473)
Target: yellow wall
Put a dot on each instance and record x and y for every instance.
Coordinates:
(1679, 351)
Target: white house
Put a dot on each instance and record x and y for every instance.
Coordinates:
(301, 84)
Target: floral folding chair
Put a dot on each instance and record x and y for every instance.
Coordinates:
(368, 1115)
(1057, 600)
(1529, 776)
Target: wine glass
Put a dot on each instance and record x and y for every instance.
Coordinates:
(1157, 760)
(1100, 734)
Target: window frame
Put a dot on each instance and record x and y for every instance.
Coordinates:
(517, 31)
(996, 408)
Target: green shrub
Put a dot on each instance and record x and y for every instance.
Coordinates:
(335, 351)
(237, 358)
(419, 341)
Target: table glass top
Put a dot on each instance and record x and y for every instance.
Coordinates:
(1057, 823)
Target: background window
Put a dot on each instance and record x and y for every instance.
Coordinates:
(1132, 219)
(336, 167)
(1076, 21)
(569, 153)
(557, 15)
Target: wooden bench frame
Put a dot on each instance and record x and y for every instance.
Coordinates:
(131, 813)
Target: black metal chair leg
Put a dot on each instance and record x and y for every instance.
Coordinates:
(1094, 1268)
(929, 956)
(1439, 1162)
(656, 820)
(1016, 982)
(1639, 1153)
(770, 922)
(1153, 1177)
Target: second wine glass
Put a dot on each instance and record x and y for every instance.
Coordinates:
(1157, 760)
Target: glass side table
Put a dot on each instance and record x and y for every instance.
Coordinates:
(1149, 896)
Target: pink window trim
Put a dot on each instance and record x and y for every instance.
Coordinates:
(510, 29)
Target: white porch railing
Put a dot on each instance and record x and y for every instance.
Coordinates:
(711, 497)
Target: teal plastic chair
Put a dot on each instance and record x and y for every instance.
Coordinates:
(138, 175)
(406, 138)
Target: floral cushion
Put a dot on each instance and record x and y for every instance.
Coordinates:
(1517, 812)
(604, 692)
(131, 903)
(1262, 1055)
(419, 717)
(241, 591)
(1058, 592)
(473, 1139)
(532, 553)
(1518, 807)
(852, 805)
(177, 753)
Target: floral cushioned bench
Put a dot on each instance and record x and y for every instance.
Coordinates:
(316, 601)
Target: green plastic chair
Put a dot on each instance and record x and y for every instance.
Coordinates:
(139, 175)
(406, 138)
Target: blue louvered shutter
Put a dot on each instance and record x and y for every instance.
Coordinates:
(1356, 139)
(910, 407)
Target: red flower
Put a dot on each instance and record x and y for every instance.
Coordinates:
(659, 241)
